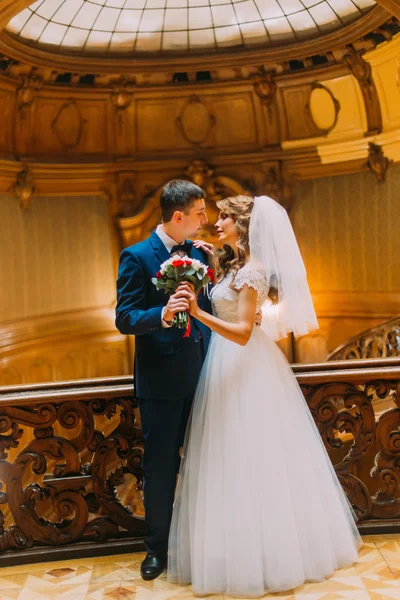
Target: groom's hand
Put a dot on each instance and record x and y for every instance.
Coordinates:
(176, 303)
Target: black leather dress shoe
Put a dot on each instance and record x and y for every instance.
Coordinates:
(152, 566)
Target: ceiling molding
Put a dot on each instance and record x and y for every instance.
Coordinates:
(232, 58)
(9, 8)
(392, 6)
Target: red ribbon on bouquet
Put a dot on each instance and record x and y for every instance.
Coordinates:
(188, 328)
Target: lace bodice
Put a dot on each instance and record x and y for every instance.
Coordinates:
(224, 298)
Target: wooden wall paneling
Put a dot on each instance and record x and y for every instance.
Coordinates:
(70, 345)
(8, 111)
(300, 124)
(235, 120)
(183, 122)
(66, 125)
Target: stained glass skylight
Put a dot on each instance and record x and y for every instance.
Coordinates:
(127, 26)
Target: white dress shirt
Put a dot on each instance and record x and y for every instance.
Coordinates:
(168, 242)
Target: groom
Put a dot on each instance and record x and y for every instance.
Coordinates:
(167, 365)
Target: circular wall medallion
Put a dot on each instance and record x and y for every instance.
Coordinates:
(323, 107)
(195, 121)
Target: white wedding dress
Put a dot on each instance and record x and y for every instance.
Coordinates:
(258, 506)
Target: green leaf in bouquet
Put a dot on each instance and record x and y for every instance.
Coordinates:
(154, 280)
(200, 275)
(191, 278)
(170, 284)
(190, 271)
(170, 272)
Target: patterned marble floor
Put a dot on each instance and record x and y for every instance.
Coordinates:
(375, 577)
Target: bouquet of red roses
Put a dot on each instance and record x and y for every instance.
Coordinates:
(176, 270)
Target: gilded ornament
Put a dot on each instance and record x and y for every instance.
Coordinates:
(198, 171)
(27, 91)
(122, 94)
(265, 86)
(24, 188)
(378, 163)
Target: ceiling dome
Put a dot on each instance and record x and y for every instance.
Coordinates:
(128, 26)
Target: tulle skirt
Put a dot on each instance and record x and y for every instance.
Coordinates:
(258, 506)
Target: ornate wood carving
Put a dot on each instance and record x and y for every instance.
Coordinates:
(122, 93)
(121, 99)
(378, 342)
(24, 187)
(344, 414)
(198, 171)
(127, 199)
(78, 477)
(26, 92)
(195, 121)
(378, 163)
(216, 186)
(265, 88)
(362, 71)
(278, 184)
(56, 483)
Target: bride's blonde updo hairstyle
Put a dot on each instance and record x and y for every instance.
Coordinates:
(239, 208)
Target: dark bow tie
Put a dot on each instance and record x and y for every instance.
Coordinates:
(182, 249)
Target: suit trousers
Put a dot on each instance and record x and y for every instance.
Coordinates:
(163, 427)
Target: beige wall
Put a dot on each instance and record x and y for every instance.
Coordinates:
(55, 256)
(348, 230)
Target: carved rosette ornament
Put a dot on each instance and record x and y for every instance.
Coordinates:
(362, 71)
(195, 121)
(378, 163)
(24, 188)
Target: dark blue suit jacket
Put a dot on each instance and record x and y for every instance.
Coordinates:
(167, 365)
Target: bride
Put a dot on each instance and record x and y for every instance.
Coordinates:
(258, 507)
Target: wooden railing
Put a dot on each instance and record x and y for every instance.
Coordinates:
(381, 341)
(70, 457)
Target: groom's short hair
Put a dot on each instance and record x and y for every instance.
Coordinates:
(178, 195)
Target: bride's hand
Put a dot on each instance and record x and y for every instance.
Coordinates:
(206, 246)
(186, 290)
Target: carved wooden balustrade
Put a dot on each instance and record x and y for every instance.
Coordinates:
(380, 341)
(70, 457)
